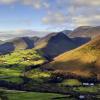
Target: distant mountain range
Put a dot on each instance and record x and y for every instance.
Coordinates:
(83, 61)
(18, 44)
(52, 44)
(85, 31)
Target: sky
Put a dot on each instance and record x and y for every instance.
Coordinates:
(16, 16)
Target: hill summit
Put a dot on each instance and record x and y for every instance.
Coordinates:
(54, 44)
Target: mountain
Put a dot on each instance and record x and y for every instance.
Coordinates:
(83, 61)
(35, 38)
(20, 43)
(6, 48)
(85, 31)
(67, 32)
(54, 44)
(81, 40)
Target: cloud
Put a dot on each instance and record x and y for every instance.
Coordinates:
(7, 1)
(6, 35)
(76, 12)
(53, 18)
(37, 4)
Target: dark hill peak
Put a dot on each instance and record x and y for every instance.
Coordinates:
(59, 36)
(55, 44)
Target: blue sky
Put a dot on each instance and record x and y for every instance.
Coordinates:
(18, 16)
(47, 15)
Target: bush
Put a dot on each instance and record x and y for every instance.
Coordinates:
(71, 82)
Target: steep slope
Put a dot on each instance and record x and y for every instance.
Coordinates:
(20, 43)
(81, 40)
(6, 48)
(55, 44)
(83, 61)
(23, 43)
(85, 31)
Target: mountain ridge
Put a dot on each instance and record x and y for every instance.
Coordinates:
(83, 61)
(55, 44)
(85, 31)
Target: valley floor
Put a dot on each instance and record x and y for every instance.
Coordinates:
(88, 93)
(23, 95)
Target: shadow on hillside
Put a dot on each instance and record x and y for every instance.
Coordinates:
(81, 40)
(29, 42)
(61, 98)
(21, 67)
(9, 47)
(58, 44)
(6, 48)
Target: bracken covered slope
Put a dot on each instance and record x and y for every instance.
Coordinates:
(83, 61)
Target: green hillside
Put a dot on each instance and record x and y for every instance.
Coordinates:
(14, 65)
(24, 57)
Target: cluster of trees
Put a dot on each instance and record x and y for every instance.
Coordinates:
(3, 96)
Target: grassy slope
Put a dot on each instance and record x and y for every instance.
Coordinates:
(13, 65)
(26, 57)
(82, 61)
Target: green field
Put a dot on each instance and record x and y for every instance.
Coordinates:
(21, 95)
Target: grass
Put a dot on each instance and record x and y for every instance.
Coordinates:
(89, 89)
(20, 95)
(9, 72)
(30, 96)
(13, 65)
(71, 82)
(16, 80)
(24, 57)
(36, 73)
